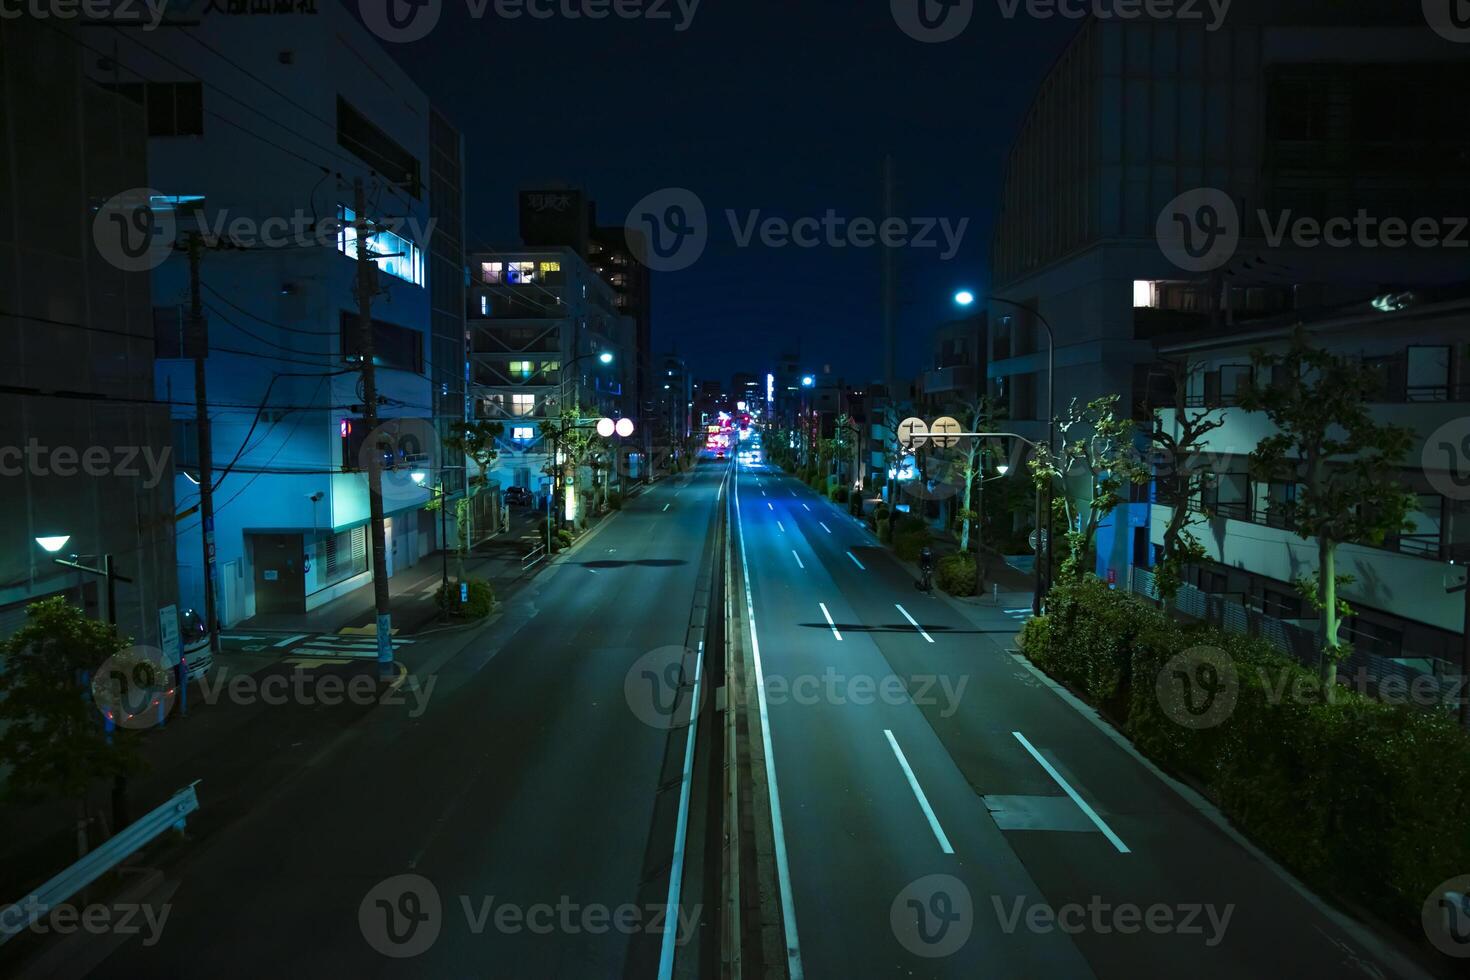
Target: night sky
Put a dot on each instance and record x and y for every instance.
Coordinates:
(787, 107)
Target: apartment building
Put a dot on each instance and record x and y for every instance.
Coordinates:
(262, 129)
(1419, 346)
(545, 334)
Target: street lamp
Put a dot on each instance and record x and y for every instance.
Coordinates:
(966, 297)
(51, 544)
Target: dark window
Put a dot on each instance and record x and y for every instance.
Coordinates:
(393, 346)
(174, 108)
(1281, 605)
(372, 145)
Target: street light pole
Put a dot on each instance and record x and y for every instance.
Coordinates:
(1043, 512)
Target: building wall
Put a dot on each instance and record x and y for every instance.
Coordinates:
(272, 146)
(559, 323)
(75, 323)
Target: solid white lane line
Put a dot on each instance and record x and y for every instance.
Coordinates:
(778, 824)
(916, 625)
(681, 829)
(829, 620)
(856, 562)
(1081, 803)
(825, 527)
(944, 844)
(291, 639)
(798, 558)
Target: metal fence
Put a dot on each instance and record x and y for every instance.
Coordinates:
(1296, 641)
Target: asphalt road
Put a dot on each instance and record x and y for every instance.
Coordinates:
(908, 743)
(522, 796)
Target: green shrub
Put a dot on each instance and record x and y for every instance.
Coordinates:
(564, 539)
(910, 537)
(955, 574)
(841, 494)
(878, 517)
(1363, 800)
(481, 599)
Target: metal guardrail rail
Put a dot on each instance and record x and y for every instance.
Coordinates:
(16, 918)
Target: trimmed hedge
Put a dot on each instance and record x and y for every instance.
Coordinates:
(1361, 799)
(840, 494)
(955, 574)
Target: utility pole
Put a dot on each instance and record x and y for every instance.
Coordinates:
(196, 338)
(367, 287)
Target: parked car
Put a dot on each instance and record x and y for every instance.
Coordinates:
(519, 497)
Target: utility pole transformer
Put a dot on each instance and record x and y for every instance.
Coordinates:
(367, 287)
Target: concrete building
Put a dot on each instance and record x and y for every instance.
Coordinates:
(1291, 108)
(956, 375)
(1168, 179)
(85, 451)
(562, 215)
(540, 321)
(261, 126)
(674, 406)
(1404, 610)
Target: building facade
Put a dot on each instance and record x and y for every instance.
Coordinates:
(1167, 179)
(85, 448)
(545, 335)
(1400, 590)
(266, 132)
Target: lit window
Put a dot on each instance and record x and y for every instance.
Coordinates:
(522, 369)
(484, 305)
(522, 404)
(398, 256)
(490, 271)
(550, 267)
(1143, 294)
(520, 272)
(523, 433)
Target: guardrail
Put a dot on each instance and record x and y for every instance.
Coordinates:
(533, 558)
(15, 919)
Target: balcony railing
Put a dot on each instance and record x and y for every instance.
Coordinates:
(1430, 546)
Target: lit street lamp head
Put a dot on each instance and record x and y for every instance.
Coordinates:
(54, 543)
(605, 357)
(964, 297)
(807, 381)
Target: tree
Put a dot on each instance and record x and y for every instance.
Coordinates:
(1340, 463)
(1094, 460)
(478, 441)
(1180, 477)
(572, 439)
(967, 465)
(51, 732)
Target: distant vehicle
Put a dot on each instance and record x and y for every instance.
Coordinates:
(519, 496)
(194, 642)
(720, 454)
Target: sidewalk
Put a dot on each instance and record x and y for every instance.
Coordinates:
(411, 592)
